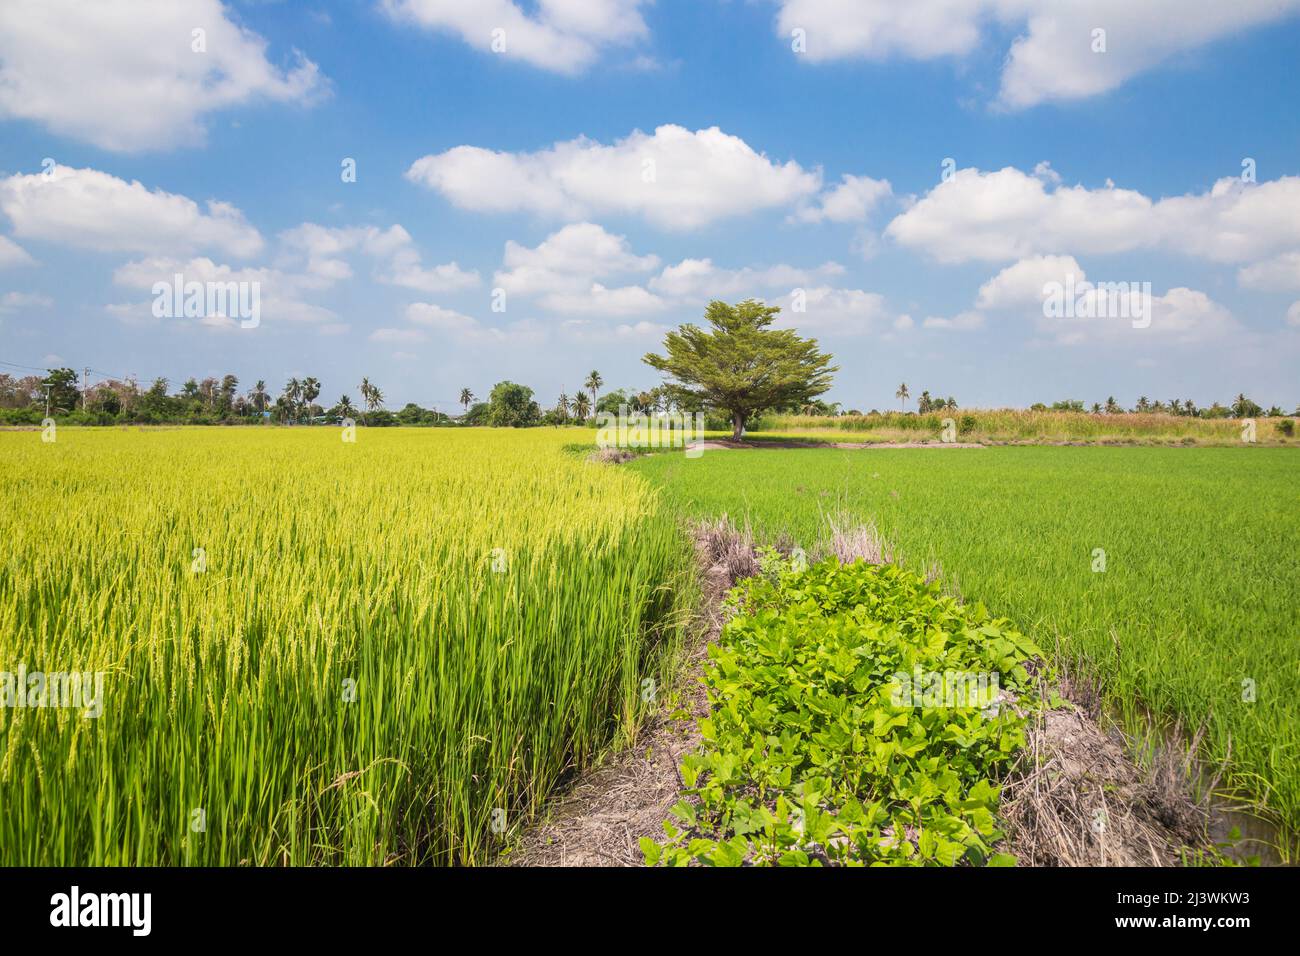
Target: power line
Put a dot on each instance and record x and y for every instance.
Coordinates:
(30, 368)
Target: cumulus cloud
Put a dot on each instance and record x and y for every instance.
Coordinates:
(565, 36)
(324, 250)
(571, 272)
(1055, 54)
(95, 210)
(699, 279)
(1057, 59)
(1022, 284)
(569, 259)
(281, 294)
(567, 268)
(1009, 214)
(673, 178)
(124, 74)
(851, 200)
(598, 300)
(833, 311)
(1101, 311)
(1279, 274)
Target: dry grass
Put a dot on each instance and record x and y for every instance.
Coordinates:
(853, 540)
(1076, 797)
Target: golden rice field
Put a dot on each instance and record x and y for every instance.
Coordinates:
(316, 652)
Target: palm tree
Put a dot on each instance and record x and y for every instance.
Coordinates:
(259, 396)
(902, 395)
(1112, 406)
(1096, 408)
(951, 403)
(581, 406)
(345, 407)
(562, 405)
(293, 395)
(371, 395)
(466, 399)
(367, 391)
(593, 384)
(310, 392)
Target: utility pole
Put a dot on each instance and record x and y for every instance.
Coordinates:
(47, 383)
(85, 387)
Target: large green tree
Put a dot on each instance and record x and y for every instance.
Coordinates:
(512, 405)
(741, 366)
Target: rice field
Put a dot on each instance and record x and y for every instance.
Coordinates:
(1168, 575)
(312, 651)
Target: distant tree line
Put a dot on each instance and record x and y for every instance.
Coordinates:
(211, 401)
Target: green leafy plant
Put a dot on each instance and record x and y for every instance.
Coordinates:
(813, 756)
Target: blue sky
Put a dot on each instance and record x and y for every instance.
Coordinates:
(619, 163)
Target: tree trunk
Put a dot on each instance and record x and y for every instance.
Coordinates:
(737, 425)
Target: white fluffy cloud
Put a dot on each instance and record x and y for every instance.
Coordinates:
(674, 178)
(1053, 56)
(1009, 214)
(566, 270)
(850, 200)
(569, 259)
(825, 309)
(565, 36)
(282, 294)
(572, 270)
(699, 279)
(92, 209)
(1180, 316)
(1022, 284)
(1279, 274)
(324, 250)
(124, 74)
(599, 300)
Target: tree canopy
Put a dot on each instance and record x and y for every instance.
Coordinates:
(742, 366)
(511, 404)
